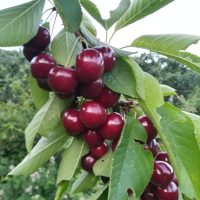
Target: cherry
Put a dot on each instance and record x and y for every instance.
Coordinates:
(108, 98)
(150, 129)
(175, 180)
(92, 114)
(87, 162)
(71, 122)
(29, 53)
(89, 65)
(63, 80)
(152, 146)
(41, 41)
(41, 65)
(114, 144)
(162, 174)
(148, 196)
(108, 57)
(92, 90)
(42, 83)
(112, 127)
(93, 138)
(168, 192)
(163, 156)
(100, 151)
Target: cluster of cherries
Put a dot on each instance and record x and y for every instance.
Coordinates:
(163, 184)
(92, 121)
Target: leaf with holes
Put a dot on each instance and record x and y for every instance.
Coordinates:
(130, 161)
(173, 46)
(70, 13)
(140, 9)
(20, 23)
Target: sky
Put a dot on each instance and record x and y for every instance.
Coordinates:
(180, 16)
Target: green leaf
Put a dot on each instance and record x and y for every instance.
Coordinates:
(39, 96)
(98, 194)
(115, 15)
(173, 46)
(130, 161)
(93, 41)
(140, 9)
(62, 187)
(70, 13)
(20, 23)
(196, 121)
(43, 150)
(45, 120)
(102, 166)
(89, 25)
(61, 48)
(167, 90)
(178, 132)
(126, 78)
(70, 160)
(85, 181)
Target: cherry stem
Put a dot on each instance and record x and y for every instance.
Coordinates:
(47, 10)
(48, 16)
(50, 2)
(54, 23)
(111, 37)
(106, 36)
(70, 55)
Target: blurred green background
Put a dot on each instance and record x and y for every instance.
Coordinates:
(17, 109)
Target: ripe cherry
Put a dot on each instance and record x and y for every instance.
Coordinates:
(92, 90)
(168, 192)
(163, 156)
(63, 80)
(100, 151)
(41, 41)
(90, 65)
(112, 127)
(42, 83)
(71, 122)
(108, 98)
(41, 65)
(87, 162)
(148, 196)
(150, 129)
(108, 57)
(153, 146)
(29, 53)
(92, 114)
(162, 174)
(114, 144)
(93, 138)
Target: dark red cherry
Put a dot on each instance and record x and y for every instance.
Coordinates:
(29, 53)
(153, 146)
(168, 192)
(63, 80)
(175, 180)
(162, 174)
(41, 41)
(114, 144)
(87, 162)
(108, 57)
(148, 196)
(89, 65)
(163, 156)
(92, 114)
(112, 127)
(93, 138)
(150, 129)
(92, 90)
(41, 65)
(108, 98)
(100, 151)
(71, 122)
(42, 83)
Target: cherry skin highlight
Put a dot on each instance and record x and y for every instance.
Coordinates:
(93, 138)
(89, 65)
(63, 81)
(162, 174)
(41, 65)
(71, 122)
(112, 127)
(108, 57)
(87, 162)
(108, 98)
(92, 114)
(153, 146)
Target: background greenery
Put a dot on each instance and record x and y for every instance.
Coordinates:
(17, 109)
